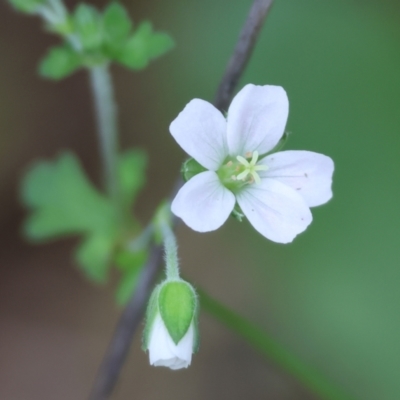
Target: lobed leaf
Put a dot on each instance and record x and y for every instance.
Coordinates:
(59, 62)
(116, 22)
(63, 201)
(143, 46)
(88, 26)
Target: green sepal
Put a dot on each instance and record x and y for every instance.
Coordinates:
(151, 314)
(60, 62)
(88, 26)
(237, 213)
(191, 168)
(279, 146)
(130, 264)
(143, 46)
(177, 305)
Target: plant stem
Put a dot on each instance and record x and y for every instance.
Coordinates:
(106, 116)
(274, 352)
(171, 252)
(242, 53)
(126, 327)
(120, 342)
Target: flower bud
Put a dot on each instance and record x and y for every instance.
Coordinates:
(171, 325)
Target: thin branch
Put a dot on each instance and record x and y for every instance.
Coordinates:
(133, 313)
(118, 349)
(242, 53)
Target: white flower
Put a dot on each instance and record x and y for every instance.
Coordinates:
(274, 191)
(164, 352)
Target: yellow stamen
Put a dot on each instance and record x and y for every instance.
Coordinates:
(250, 168)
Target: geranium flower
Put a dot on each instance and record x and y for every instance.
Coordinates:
(274, 191)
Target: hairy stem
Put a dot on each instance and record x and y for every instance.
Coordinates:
(171, 253)
(120, 343)
(106, 116)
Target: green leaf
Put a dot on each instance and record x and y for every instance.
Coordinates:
(27, 6)
(144, 46)
(131, 170)
(116, 22)
(159, 43)
(127, 260)
(94, 256)
(88, 26)
(177, 305)
(59, 62)
(131, 264)
(63, 201)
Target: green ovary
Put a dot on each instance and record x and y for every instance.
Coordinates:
(236, 173)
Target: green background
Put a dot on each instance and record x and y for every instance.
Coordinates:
(331, 297)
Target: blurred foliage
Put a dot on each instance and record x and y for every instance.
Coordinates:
(130, 264)
(332, 295)
(93, 38)
(60, 62)
(64, 202)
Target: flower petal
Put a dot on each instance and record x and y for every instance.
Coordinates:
(203, 202)
(200, 129)
(307, 172)
(275, 210)
(163, 352)
(256, 119)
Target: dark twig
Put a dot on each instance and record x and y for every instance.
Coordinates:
(127, 324)
(134, 311)
(243, 50)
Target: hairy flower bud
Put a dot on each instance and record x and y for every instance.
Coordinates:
(171, 325)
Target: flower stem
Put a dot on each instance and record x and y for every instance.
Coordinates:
(106, 115)
(171, 253)
(114, 358)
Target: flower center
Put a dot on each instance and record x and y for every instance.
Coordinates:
(242, 171)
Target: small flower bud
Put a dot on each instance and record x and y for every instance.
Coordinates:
(171, 325)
